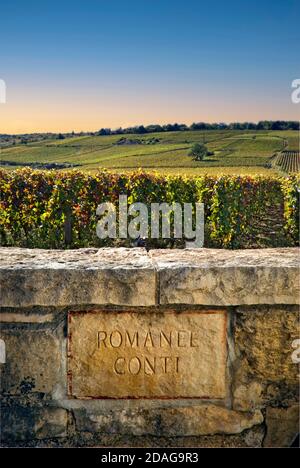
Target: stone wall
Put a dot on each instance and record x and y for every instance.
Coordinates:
(110, 347)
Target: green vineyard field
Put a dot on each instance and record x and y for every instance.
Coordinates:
(288, 161)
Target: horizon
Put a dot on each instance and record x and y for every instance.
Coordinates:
(188, 125)
(69, 68)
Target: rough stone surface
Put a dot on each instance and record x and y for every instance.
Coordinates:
(264, 370)
(168, 422)
(15, 317)
(147, 354)
(282, 426)
(33, 361)
(264, 337)
(128, 277)
(248, 396)
(249, 438)
(30, 277)
(26, 423)
(224, 277)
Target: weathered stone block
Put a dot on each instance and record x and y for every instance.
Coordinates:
(168, 422)
(147, 354)
(263, 344)
(282, 426)
(71, 277)
(247, 395)
(223, 278)
(264, 337)
(33, 361)
(25, 317)
(27, 423)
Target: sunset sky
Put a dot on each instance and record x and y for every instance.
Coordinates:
(83, 65)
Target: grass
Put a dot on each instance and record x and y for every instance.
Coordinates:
(234, 152)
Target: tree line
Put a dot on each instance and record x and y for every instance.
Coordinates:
(8, 140)
(176, 127)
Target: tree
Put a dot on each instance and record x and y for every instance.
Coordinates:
(198, 126)
(140, 129)
(104, 131)
(154, 128)
(198, 151)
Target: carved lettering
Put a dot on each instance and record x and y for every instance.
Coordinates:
(149, 339)
(151, 354)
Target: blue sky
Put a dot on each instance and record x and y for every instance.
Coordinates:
(86, 64)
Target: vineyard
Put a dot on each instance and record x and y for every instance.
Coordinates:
(57, 209)
(229, 152)
(288, 161)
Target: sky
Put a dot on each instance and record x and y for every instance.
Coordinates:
(84, 65)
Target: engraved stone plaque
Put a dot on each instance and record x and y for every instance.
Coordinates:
(147, 354)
